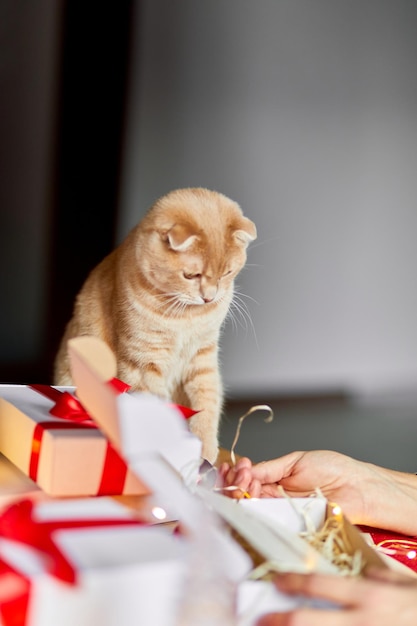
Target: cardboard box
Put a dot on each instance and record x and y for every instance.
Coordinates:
(70, 458)
(271, 527)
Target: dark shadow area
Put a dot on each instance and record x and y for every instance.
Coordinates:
(89, 111)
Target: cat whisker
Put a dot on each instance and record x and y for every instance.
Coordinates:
(248, 265)
(170, 305)
(163, 300)
(236, 319)
(245, 295)
(231, 316)
(243, 319)
(175, 308)
(262, 243)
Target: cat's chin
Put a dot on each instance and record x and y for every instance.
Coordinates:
(205, 303)
(195, 302)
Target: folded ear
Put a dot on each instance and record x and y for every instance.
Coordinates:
(245, 231)
(180, 237)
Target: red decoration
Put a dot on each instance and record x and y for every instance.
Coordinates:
(121, 387)
(18, 523)
(14, 595)
(73, 415)
(402, 548)
(69, 409)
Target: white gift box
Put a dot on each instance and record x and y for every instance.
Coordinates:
(256, 598)
(126, 575)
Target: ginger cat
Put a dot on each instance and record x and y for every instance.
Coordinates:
(159, 301)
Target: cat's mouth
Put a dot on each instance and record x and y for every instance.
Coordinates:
(198, 300)
(207, 301)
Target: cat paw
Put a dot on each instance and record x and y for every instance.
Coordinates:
(210, 452)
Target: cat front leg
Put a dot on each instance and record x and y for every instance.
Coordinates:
(203, 388)
(204, 425)
(144, 377)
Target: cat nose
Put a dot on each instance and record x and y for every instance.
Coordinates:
(208, 291)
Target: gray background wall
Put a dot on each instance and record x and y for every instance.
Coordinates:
(305, 112)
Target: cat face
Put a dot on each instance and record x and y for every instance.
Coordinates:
(193, 244)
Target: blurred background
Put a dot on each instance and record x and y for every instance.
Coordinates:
(304, 112)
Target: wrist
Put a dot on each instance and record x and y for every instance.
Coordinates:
(390, 499)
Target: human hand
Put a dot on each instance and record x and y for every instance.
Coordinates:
(340, 478)
(368, 494)
(381, 600)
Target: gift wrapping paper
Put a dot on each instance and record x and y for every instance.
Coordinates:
(65, 456)
(86, 562)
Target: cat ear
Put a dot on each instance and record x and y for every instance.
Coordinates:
(180, 237)
(246, 231)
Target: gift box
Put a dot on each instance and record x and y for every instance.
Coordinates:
(87, 562)
(323, 527)
(65, 456)
(91, 562)
(281, 533)
(256, 598)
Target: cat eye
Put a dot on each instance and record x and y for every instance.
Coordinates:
(191, 276)
(227, 273)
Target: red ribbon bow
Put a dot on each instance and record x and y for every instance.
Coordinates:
(19, 523)
(74, 416)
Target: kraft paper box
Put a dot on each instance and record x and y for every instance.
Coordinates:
(124, 574)
(289, 513)
(272, 526)
(69, 462)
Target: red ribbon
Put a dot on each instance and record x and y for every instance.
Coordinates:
(18, 523)
(74, 416)
(402, 548)
(69, 409)
(185, 410)
(14, 595)
(121, 386)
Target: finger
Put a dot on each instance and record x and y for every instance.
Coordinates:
(234, 485)
(243, 478)
(228, 473)
(276, 469)
(340, 589)
(274, 619)
(222, 470)
(225, 475)
(270, 491)
(308, 617)
(255, 489)
(390, 576)
(244, 462)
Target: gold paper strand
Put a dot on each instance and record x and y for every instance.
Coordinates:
(258, 407)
